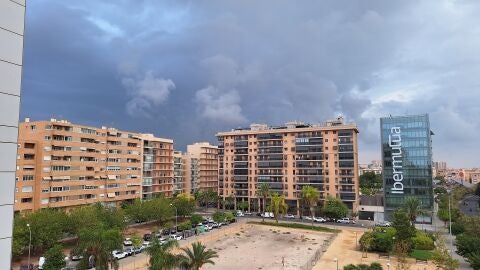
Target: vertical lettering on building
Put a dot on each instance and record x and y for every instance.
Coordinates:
(395, 143)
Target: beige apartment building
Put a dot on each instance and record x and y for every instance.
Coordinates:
(179, 172)
(201, 167)
(157, 166)
(64, 165)
(287, 158)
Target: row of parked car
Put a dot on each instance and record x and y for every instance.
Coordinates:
(164, 236)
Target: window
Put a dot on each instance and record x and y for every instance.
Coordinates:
(26, 200)
(48, 138)
(27, 189)
(33, 127)
(27, 177)
(44, 201)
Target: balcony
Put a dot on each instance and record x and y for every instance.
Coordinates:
(264, 137)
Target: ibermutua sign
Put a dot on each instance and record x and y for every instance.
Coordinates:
(395, 143)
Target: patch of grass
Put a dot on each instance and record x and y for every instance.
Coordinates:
(421, 254)
(295, 226)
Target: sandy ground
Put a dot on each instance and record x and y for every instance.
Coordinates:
(264, 247)
(344, 249)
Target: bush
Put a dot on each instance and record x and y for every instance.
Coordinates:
(373, 266)
(186, 225)
(294, 226)
(458, 228)
(422, 241)
(382, 242)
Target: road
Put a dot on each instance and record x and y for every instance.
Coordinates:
(469, 205)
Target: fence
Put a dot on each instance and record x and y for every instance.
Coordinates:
(318, 253)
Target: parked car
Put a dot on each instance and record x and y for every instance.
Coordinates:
(290, 216)
(139, 249)
(118, 254)
(146, 244)
(41, 262)
(147, 236)
(319, 219)
(127, 242)
(307, 217)
(346, 221)
(129, 251)
(240, 213)
(177, 237)
(76, 257)
(67, 268)
(271, 215)
(384, 224)
(248, 213)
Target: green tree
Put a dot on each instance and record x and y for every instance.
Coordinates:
(263, 190)
(197, 256)
(442, 258)
(335, 208)
(370, 183)
(195, 219)
(185, 204)
(136, 241)
(404, 228)
(310, 196)
(54, 258)
(47, 226)
(440, 190)
(278, 205)
(99, 242)
(366, 242)
(413, 208)
(162, 256)
(474, 260)
(218, 216)
(243, 205)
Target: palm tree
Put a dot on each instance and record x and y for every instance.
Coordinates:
(161, 256)
(98, 243)
(197, 256)
(263, 190)
(413, 208)
(310, 195)
(278, 205)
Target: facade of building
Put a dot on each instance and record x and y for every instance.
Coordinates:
(12, 14)
(375, 166)
(439, 169)
(65, 165)
(287, 158)
(201, 167)
(406, 145)
(178, 172)
(157, 166)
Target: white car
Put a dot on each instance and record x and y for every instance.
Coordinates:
(146, 244)
(177, 237)
(271, 215)
(127, 242)
(384, 224)
(319, 219)
(346, 221)
(240, 213)
(307, 217)
(117, 254)
(289, 216)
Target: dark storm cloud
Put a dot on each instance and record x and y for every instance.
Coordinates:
(186, 69)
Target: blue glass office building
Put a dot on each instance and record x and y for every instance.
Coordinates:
(407, 162)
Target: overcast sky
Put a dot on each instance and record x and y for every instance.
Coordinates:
(187, 69)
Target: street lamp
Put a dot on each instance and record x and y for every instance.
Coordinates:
(176, 216)
(450, 220)
(336, 260)
(29, 244)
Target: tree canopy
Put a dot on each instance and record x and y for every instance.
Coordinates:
(334, 208)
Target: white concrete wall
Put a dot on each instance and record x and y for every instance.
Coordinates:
(12, 13)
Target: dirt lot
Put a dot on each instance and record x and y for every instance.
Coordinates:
(263, 247)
